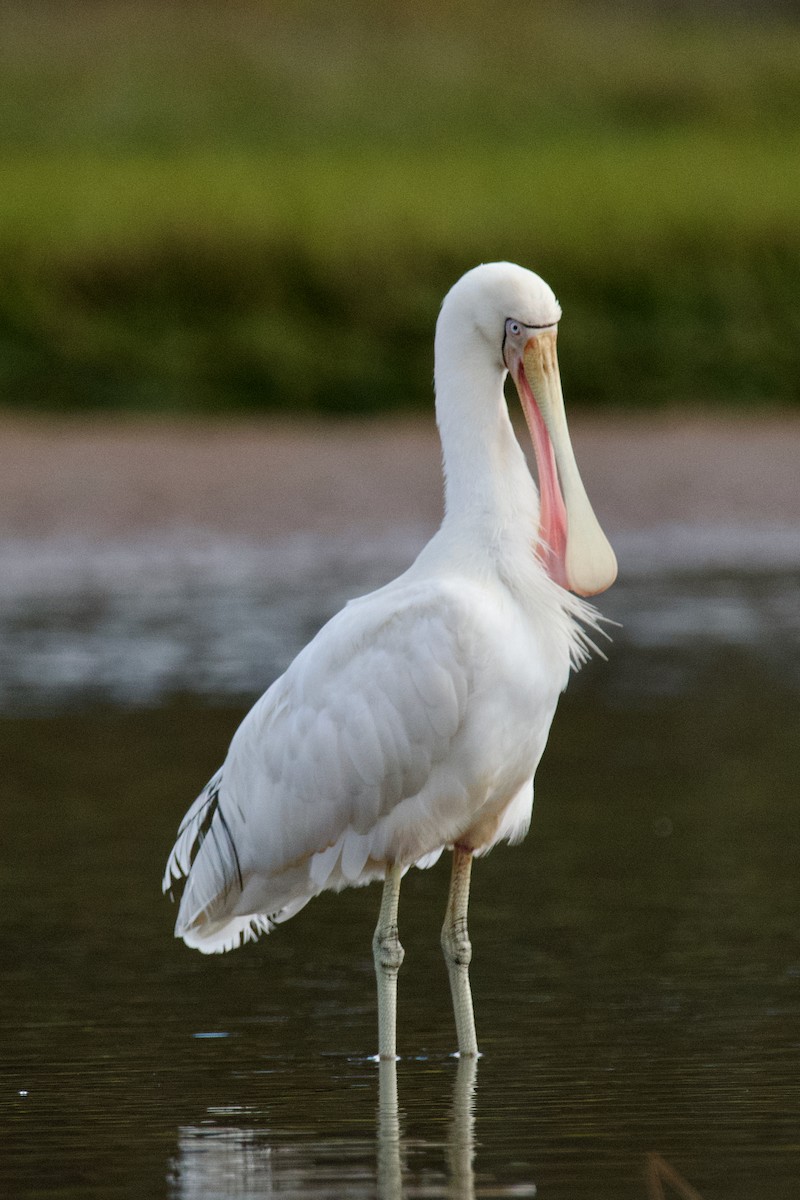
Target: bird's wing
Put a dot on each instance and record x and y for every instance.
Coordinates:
(319, 769)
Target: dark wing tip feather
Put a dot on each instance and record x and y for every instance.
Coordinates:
(205, 819)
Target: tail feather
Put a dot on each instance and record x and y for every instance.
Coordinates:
(215, 937)
(204, 874)
(203, 869)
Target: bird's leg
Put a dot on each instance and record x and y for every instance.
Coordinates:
(458, 951)
(388, 955)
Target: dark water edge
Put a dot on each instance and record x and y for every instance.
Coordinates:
(636, 968)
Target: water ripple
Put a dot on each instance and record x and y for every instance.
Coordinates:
(132, 622)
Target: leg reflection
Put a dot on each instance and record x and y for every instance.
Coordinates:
(461, 1132)
(390, 1172)
(460, 1149)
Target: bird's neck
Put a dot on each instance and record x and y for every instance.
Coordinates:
(488, 487)
(490, 527)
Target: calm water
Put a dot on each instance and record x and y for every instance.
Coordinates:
(636, 966)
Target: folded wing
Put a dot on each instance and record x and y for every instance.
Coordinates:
(344, 764)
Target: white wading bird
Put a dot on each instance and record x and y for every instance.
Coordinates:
(415, 719)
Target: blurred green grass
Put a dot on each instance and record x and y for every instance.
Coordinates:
(258, 206)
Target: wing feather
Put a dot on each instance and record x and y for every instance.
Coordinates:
(305, 797)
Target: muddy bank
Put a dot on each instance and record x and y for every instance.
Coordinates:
(102, 479)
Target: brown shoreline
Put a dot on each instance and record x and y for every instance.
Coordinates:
(111, 478)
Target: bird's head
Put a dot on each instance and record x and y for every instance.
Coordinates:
(517, 315)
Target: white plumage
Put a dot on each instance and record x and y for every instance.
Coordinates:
(415, 719)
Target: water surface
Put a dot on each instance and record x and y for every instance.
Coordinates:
(636, 966)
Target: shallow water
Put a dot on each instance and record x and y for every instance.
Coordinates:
(636, 966)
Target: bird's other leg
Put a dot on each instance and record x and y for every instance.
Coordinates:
(388, 955)
(458, 951)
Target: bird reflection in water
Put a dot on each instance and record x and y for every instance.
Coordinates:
(241, 1163)
(245, 1163)
(460, 1147)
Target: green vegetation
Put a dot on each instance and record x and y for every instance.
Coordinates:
(244, 205)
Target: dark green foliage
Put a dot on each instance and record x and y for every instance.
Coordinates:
(182, 327)
(216, 207)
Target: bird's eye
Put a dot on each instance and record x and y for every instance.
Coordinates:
(514, 328)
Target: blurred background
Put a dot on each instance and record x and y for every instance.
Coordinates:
(225, 232)
(259, 206)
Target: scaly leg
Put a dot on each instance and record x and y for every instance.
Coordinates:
(388, 955)
(458, 951)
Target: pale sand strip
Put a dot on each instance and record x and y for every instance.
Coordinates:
(105, 478)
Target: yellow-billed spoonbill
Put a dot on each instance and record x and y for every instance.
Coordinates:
(415, 719)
